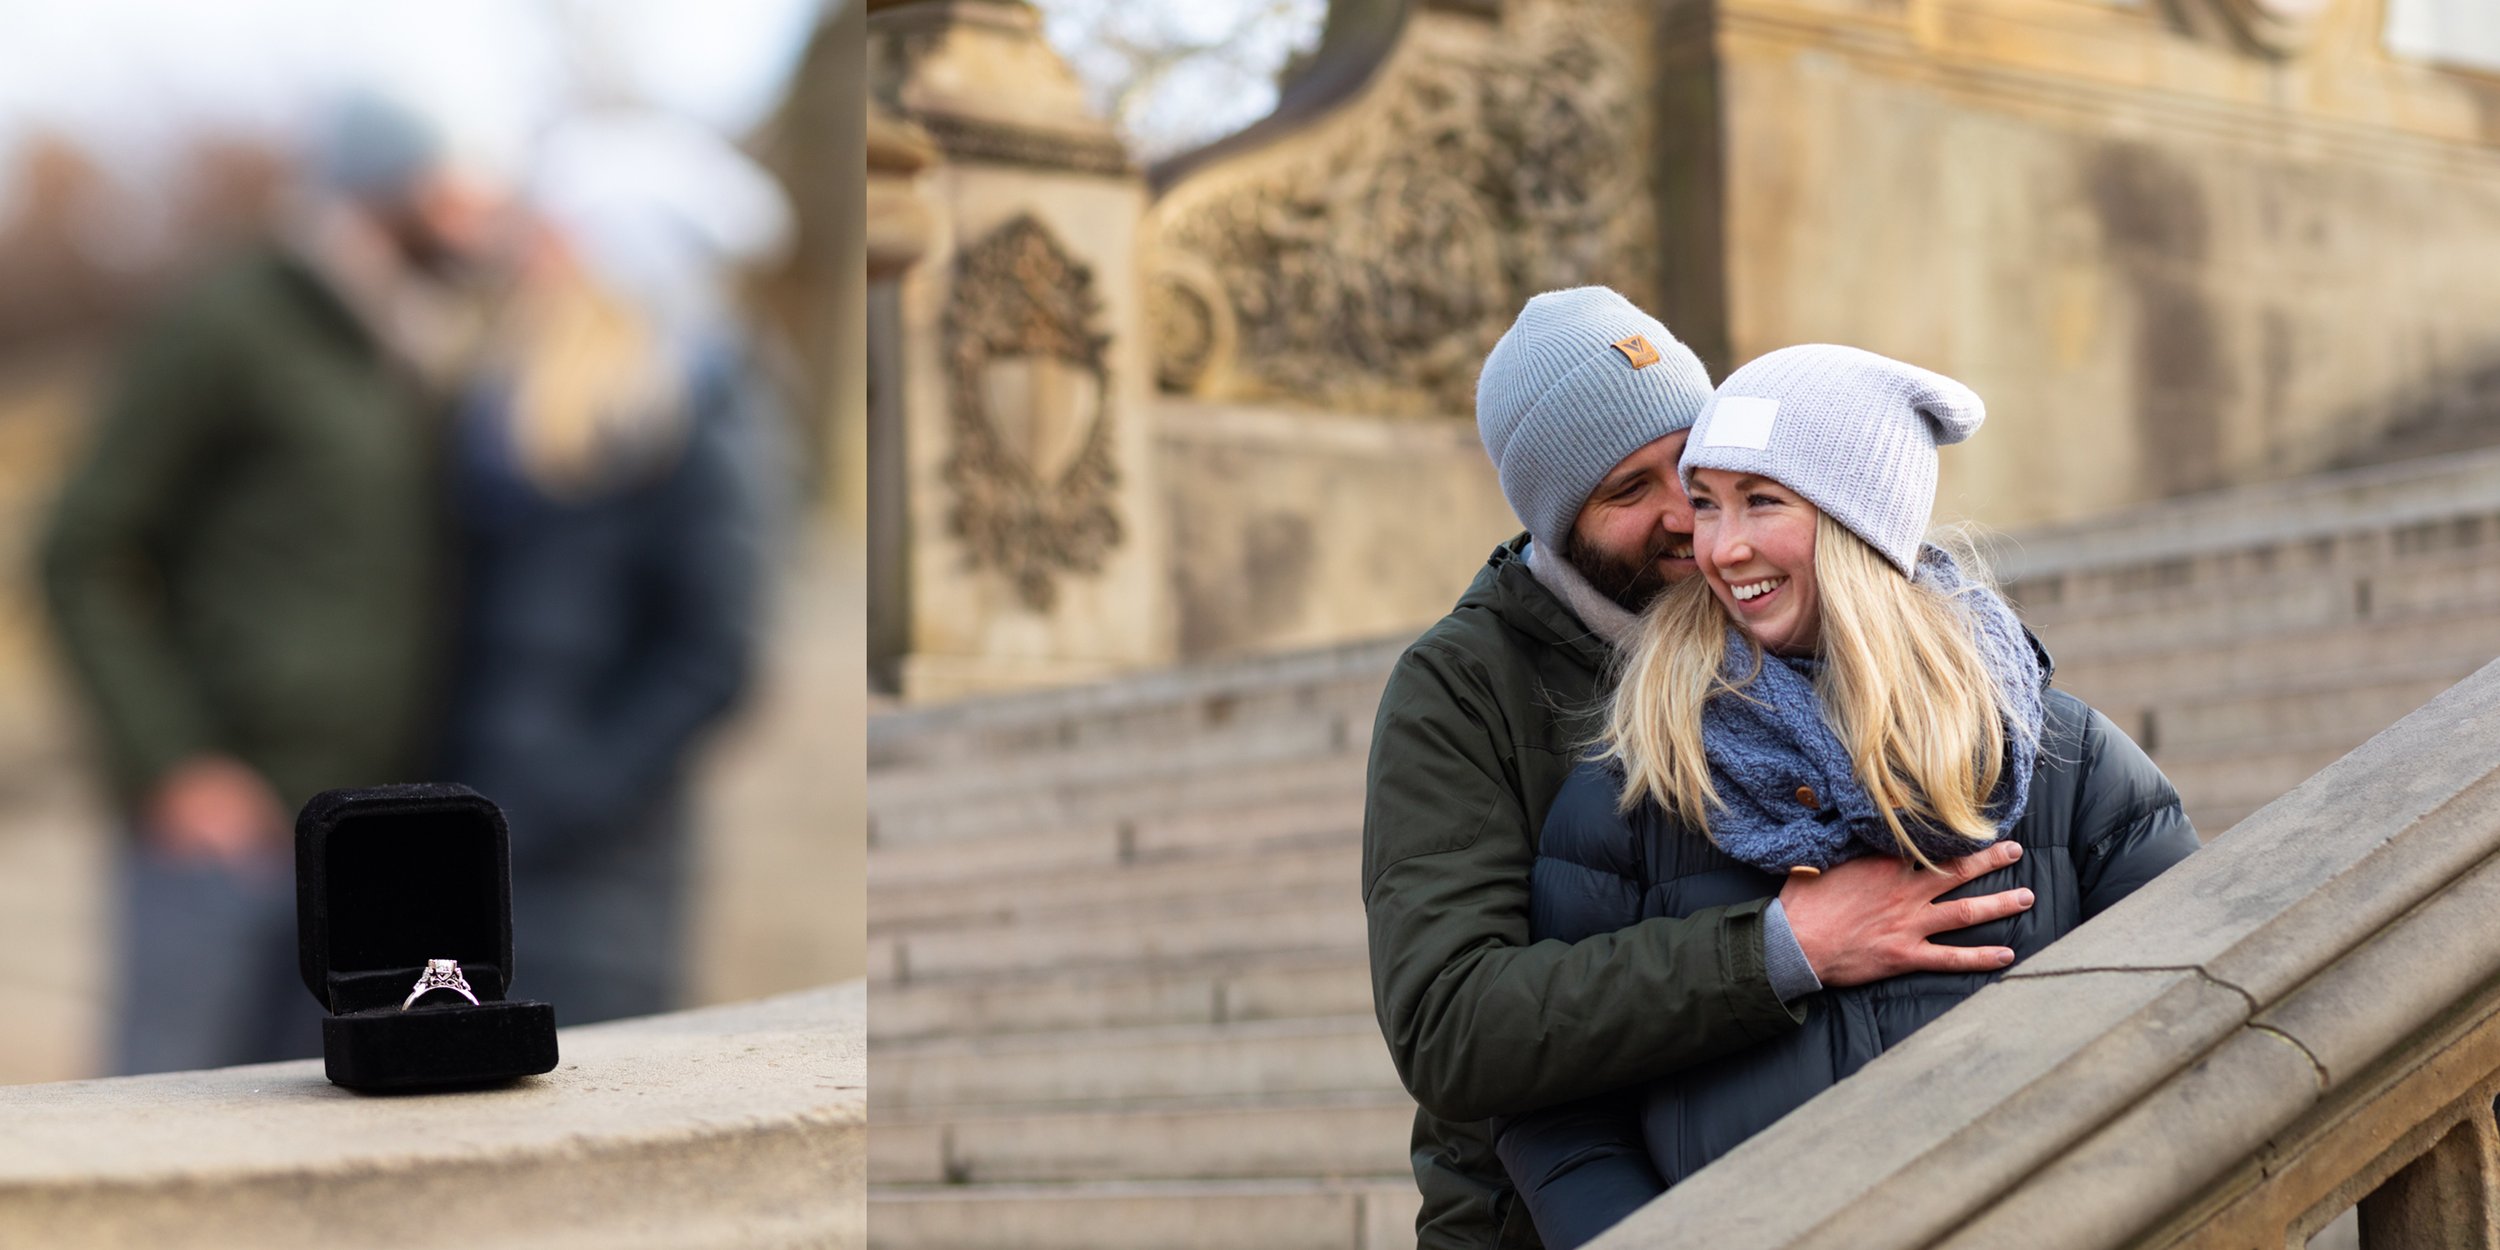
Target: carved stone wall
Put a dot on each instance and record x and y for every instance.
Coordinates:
(1016, 441)
(1369, 260)
(1019, 510)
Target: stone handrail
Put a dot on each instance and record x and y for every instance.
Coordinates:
(2302, 1017)
(738, 1126)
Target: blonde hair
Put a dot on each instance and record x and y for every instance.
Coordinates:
(1902, 685)
(593, 390)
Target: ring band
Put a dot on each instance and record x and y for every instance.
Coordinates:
(440, 974)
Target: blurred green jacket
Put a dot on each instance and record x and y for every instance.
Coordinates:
(1481, 721)
(247, 557)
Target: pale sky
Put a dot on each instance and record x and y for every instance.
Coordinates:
(2459, 32)
(132, 78)
(1208, 96)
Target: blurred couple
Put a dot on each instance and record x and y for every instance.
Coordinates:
(438, 482)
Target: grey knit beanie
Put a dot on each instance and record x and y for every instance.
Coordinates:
(375, 148)
(1853, 432)
(1580, 381)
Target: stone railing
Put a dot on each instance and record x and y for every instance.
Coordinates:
(2303, 1017)
(740, 1126)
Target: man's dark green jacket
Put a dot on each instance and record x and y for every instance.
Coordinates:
(246, 561)
(1480, 723)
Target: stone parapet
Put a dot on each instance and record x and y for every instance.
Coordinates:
(739, 1126)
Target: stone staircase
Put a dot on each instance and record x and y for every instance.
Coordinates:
(1116, 951)
(2250, 638)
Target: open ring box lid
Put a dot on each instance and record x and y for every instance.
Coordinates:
(387, 878)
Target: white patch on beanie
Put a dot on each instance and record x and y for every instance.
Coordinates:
(1742, 421)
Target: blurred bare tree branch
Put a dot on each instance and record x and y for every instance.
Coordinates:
(1174, 77)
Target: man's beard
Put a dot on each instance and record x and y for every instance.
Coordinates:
(1633, 583)
(427, 253)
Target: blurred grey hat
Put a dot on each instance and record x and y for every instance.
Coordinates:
(374, 148)
(1853, 432)
(1580, 381)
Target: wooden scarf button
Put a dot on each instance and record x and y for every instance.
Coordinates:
(1805, 795)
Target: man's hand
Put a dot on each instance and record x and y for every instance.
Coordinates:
(1870, 918)
(214, 807)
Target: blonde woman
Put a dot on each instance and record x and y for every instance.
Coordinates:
(612, 479)
(1832, 687)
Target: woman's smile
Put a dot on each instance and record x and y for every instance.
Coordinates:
(1754, 541)
(1749, 592)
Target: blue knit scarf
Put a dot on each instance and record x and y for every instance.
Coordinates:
(1771, 751)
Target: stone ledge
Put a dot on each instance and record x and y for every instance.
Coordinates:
(738, 1126)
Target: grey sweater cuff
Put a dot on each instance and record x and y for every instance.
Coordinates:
(1792, 977)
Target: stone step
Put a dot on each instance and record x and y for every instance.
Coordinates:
(1341, 1054)
(1148, 708)
(2426, 504)
(1276, 822)
(1146, 1215)
(2463, 638)
(1279, 827)
(1225, 990)
(1325, 864)
(2221, 786)
(1112, 802)
(1338, 726)
(2267, 608)
(1332, 1136)
(2159, 583)
(2335, 706)
(1047, 850)
(1152, 707)
(2273, 610)
(1254, 922)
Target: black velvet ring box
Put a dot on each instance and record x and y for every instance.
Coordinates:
(387, 878)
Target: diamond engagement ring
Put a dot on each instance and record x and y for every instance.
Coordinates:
(440, 974)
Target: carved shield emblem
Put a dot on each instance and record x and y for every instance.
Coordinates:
(1031, 467)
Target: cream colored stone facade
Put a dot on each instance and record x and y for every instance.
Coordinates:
(2177, 246)
(1292, 528)
(2170, 260)
(1026, 457)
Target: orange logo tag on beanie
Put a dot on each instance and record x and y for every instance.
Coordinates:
(1637, 350)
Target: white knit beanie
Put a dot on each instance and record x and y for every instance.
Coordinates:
(1580, 381)
(1853, 432)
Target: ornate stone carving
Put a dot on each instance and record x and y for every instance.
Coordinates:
(976, 139)
(1192, 319)
(1000, 94)
(2279, 27)
(1034, 475)
(1371, 259)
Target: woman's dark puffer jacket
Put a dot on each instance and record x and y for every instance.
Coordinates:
(2102, 821)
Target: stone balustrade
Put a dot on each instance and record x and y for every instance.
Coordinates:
(2303, 1017)
(740, 1126)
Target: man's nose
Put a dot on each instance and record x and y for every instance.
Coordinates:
(1677, 516)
